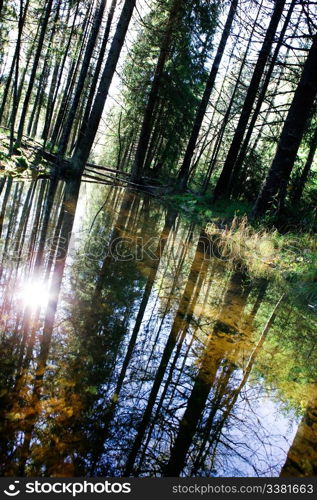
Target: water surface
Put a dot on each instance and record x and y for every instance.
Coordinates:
(131, 346)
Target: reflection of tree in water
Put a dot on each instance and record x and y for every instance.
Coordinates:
(150, 367)
(30, 349)
(301, 460)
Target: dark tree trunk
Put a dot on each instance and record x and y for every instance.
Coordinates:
(97, 70)
(85, 142)
(273, 192)
(23, 13)
(235, 177)
(71, 77)
(226, 118)
(56, 79)
(299, 188)
(185, 168)
(43, 77)
(15, 83)
(33, 72)
(147, 123)
(225, 176)
(82, 78)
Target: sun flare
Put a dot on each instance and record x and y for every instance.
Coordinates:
(34, 294)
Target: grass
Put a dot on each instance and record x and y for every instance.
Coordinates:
(23, 164)
(289, 258)
(201, 209)
(288, 255)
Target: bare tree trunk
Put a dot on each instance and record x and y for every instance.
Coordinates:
(183, 175)
(33, 72)
(147, 123)
(85, 142)
(97, 70)
(235, 179)
(273, 192)
(82, 78)
(225, 176)
(22, 17)
(299, 188)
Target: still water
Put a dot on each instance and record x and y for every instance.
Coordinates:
(131, 346)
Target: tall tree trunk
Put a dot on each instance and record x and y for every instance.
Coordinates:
(225, 176)
(71, 76)
(235, 177)
(97, 69)
(15, 83)
(82, 78)
(185, 168)
(85, 142)
(57, 77)
(147, 123)
(226, 118)
(22, 17)
(44, 75)
(274, 189)
(299, 188)
(33, 72)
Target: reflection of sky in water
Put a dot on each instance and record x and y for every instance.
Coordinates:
(90, 349)
(264, 438)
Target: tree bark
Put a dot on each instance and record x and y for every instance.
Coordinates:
(147, 123)
(82, 78)
(273, 193)
(225, 176)
(33, 72)
(185, 168)
(97, 70)
(235, 177)
(299, 188)
(85, 143)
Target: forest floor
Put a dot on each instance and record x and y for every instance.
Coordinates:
(25, 163)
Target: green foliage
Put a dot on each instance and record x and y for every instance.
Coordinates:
(200, 208)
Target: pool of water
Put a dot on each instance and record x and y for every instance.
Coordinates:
(130, 345)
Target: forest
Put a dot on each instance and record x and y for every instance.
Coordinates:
(158, 251)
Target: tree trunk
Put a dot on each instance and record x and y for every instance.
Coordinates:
(97, 70)
(57, 77)
(33, 72)
(299, 188)
(273, 192)
(43, 77)
(82, 78)
(185, 168)
(15, 55)
(235, 180)
(17, 67)
(225, 176)
(85, 142)
(147, 123)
